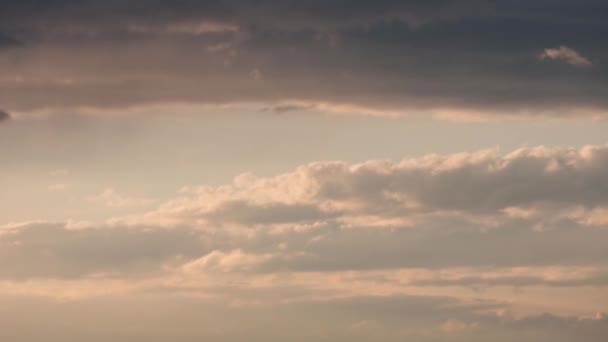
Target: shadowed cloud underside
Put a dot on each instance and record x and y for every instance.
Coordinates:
(443, 58)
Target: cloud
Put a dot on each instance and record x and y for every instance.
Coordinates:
(158, 319)
(567, 55)
(382, 56)
(528, 182)
(455, 326)
(379, 241)
(453, 253)
(4, 116)
(233, 261)
(515, 277)
(47, 250)
(184, 28)
(111, 198)
(250, 214)
(285, 108)
(435, 212)
(58, 186)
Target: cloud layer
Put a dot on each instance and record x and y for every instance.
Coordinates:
(432, 213)
(383, 57)
(462, 247)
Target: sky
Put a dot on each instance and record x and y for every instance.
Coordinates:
(320, 170)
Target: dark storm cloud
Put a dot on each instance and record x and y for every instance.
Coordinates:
(398, 56)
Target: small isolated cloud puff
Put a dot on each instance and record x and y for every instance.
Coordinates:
(567, 55)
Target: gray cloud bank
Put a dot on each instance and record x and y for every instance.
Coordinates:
(451, 58)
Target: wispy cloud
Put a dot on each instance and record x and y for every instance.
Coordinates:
(58, 186)
(567, 55)
(112, 198)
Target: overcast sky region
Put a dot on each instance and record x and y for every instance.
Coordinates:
(319, 170)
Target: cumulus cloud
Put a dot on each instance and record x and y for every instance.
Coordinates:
(529, 182)
(567, 55)
(437, 211)
(434, 212)
(358, 242)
